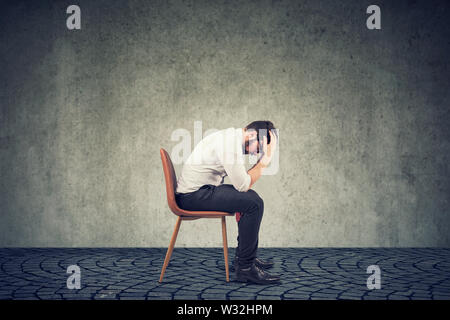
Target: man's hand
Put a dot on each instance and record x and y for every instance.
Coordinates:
(268, 152)
(268, 149)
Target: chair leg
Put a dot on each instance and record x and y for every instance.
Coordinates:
(225, 247)
(170, 249)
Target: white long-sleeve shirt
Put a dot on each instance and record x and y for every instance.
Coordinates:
(216, 156)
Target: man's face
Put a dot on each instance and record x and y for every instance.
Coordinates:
(251, 143)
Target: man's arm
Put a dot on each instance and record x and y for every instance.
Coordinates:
(268, 151)
(255, 172)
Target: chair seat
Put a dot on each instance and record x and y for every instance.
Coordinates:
(204, 214)
(201, 214)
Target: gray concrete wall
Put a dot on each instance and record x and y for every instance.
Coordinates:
(363, 118)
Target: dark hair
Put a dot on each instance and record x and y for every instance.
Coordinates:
(262, 127)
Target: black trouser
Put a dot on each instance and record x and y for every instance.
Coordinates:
(226, 198)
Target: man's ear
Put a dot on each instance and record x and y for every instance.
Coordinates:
(251, 134)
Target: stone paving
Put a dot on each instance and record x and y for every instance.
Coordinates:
(198, 273)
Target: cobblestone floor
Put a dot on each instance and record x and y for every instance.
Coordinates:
(196, 273)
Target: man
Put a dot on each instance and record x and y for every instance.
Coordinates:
(200, 187)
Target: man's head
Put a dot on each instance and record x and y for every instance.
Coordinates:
(254, 134)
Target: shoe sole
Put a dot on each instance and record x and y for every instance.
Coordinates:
(258, 282)
(232, 269)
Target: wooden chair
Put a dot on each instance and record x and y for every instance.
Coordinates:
(171, 184)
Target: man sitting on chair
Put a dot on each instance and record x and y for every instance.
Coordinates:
(200, 187)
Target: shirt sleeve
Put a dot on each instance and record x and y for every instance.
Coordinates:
(238, 176)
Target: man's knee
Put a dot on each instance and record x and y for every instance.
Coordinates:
(256, 199)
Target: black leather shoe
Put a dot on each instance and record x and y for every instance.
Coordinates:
(263, 264)
(256, 275)
(258, 262)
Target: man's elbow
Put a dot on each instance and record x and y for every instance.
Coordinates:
(243, 187)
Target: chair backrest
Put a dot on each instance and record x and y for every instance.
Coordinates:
(171, 181)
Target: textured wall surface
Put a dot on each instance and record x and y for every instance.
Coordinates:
(363, 118)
